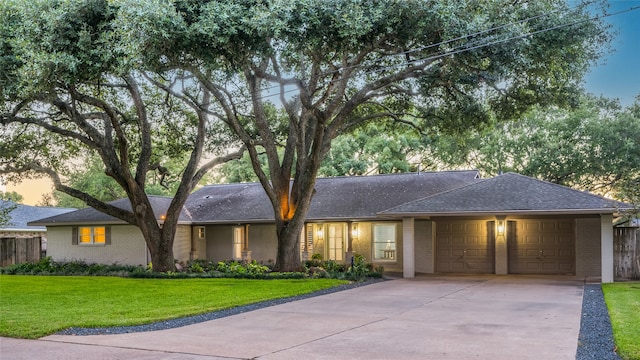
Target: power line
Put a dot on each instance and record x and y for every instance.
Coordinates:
(457, 50)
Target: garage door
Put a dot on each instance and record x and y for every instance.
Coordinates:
(464, 246)
(541, 247)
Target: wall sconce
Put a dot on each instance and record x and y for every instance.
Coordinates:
(500, 227)
(319, 232)
(354, 230)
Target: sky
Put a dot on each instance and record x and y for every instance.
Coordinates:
(619, 76)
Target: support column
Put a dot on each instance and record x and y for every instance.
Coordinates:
(606, 243)
(501, 256)
(408, 248)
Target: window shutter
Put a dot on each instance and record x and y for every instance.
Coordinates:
(74, 235)
(107, 235)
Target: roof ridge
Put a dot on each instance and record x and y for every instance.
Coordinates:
(479, 180)
(324, 178)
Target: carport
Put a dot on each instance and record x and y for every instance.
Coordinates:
(510, 224)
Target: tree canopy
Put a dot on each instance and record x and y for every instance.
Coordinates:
(329, 65)
(595, 147)
(73, 89)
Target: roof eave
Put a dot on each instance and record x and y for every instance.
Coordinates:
(504, 212)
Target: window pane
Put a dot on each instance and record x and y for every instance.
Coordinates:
(384, 242)
(84, 235)
(99, 235)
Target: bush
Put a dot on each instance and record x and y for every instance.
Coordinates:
(46, 266)
(314, 268)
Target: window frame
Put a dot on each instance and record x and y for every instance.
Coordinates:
(394, 253)
(92, 234)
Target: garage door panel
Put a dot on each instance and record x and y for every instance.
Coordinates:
(542, 247)
(464, 246)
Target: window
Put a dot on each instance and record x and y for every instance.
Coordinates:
(238, 238)
(92, 235)
(201, 233)
(384, 242)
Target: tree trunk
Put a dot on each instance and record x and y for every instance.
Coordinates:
(288, 256)
(160, 244)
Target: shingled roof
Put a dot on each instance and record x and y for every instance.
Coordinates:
(160, 204)
(509, 193)
(336, 198)
(21, 215)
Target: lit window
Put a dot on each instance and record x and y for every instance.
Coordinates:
(201, 233)
(84, 235)
(384, 242)
(92, 235)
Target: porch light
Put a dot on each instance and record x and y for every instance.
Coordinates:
(319, 232)
(500, 227)
(354, 230)
(163, 217)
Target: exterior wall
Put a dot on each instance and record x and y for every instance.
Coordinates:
(263, 243)
(424, 249)
(127, 247)
(362, 242)
(182, 244)
(588, 262)
(219, 242)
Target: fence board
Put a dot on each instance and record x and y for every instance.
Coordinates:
(626, 250)
(19, 250)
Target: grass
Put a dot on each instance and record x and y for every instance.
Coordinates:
(623, 302)
(36, 306)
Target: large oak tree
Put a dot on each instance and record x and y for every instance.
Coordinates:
(71, 87)
(333, 65)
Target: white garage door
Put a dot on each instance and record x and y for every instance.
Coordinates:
(464, 246)
(542, 247)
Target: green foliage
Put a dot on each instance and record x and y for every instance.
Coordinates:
(5, 213)
(358, 271)
(11, 196)
(595, 147)
(47, 266)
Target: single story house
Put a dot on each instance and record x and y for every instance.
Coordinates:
(426, 222)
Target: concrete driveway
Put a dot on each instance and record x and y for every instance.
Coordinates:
(430, 317)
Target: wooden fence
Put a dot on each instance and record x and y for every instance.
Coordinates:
(626, 253)
(20, 250)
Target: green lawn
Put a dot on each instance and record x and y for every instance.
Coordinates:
(35, 306)
(623, 302)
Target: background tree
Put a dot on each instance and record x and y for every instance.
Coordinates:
(6, 207)
(11, 196)
(382, 147)
(332, 65)
(71, 85)
(595, 147)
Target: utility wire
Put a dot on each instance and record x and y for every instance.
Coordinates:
(444, 42)
(459, 49)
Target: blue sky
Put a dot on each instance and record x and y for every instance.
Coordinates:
(619, 76)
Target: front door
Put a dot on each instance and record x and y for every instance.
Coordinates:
(335, 242)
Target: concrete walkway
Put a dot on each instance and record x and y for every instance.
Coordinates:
(430, 317)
